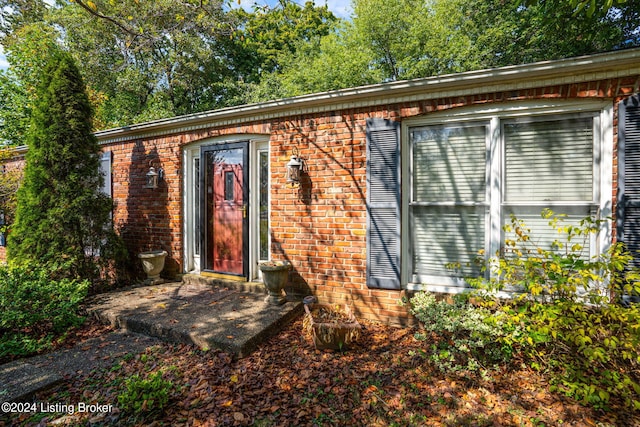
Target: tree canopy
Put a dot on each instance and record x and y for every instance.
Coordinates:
(149, 60)
(407, 39)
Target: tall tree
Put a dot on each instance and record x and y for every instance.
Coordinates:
(338, 60)
(552, 29)
(271, 40)
(387, 28)
(271, 32)
(62, 216)
(444, 36)
(150, 59)
(15, 14)
(589, 6)
(15, 110)
(26, 49)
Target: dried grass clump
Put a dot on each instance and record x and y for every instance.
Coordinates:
(331, 327)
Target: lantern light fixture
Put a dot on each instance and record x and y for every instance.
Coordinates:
(295, 167)
(153, 176)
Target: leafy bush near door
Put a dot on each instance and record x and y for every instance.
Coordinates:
(564, 316)
(35, 308)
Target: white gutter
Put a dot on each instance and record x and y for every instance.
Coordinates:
(584, 68)
(19, 150)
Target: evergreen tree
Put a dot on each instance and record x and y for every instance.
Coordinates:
(62, 218)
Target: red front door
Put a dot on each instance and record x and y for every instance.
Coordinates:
(225, 205)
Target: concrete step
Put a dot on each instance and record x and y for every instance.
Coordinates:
(242, 286)
(195, 311)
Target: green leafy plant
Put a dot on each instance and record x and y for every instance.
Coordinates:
(61, 216)
(564, 271)
(145, 395)
(34, 308)
(567, 305)
(469, 338)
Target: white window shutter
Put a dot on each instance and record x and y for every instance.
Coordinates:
(105, 170)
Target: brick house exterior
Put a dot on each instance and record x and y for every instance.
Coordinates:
(324, 228)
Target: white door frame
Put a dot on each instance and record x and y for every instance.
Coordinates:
(257, 144)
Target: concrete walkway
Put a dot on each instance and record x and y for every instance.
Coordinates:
(227, 316)
(20, 379)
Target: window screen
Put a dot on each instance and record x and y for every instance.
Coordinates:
(548, 164)
(549, 161)
(449, 194)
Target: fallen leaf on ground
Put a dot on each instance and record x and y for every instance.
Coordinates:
(287, 382)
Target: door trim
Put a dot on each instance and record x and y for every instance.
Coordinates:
(257, 143)
(256, 148)
(204, 215)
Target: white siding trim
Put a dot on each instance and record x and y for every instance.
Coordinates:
(255, 147)
(606, 176)
(191, 152)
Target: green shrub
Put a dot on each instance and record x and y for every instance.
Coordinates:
(34, 308)
(568, 308)
(469, 338)
(61, 214)
(145, 395)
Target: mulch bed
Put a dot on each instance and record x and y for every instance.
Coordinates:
(380, 381)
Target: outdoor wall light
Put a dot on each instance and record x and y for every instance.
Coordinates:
(153, 177)
(294, 169)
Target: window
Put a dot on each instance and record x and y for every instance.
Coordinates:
(3, 236)
(195, 196)
(549, 163)
(264, 205)
(105, 171)
(449, 196)
(465, 179)
(229, 181)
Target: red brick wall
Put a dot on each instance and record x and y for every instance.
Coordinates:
(320, 228)
(148, 218)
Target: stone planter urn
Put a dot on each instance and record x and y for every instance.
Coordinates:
(275, 276)
(152, 263)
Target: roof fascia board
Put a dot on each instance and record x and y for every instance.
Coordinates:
(547, 73)
(17, 151)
